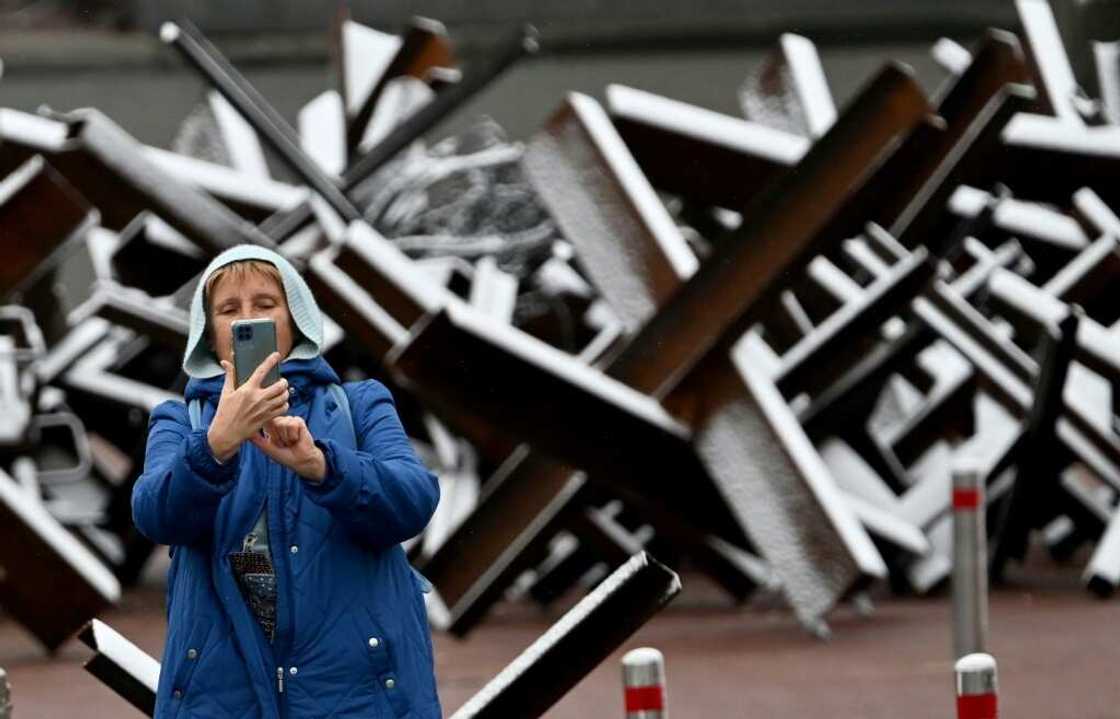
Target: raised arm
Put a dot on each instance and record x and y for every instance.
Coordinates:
(177, 496)
(381, 493)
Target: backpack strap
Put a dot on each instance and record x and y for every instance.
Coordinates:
(194, 411)
(343, 402)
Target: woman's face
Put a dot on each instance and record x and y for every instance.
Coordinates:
(255, 296)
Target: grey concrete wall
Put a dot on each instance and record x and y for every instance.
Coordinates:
(567, 23)
(151, 102)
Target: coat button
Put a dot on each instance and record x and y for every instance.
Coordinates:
(178, 693)
(390, 683)
(192, 654)
(295, 548)
(293, 671)
(374, 642)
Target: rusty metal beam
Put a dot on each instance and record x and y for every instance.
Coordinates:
(1037, 468)
(972, 160)
(814, 364)
(153, 257)
(50, 583)
(1048, 160)
(365, 321)
(250, 196)
(111, 170)
(611, 429)
(577, 643)
(750, 441)
(161, 322)
(633, 232)
(599, 197)
(522, 506)
(121, 665)
(704, 156)
(720, 301)
(42, 219)
(425, 45)
(200, 53)
(523, 43)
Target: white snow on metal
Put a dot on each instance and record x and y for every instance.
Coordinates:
(680, 117)
(809, 79)
(322, 132)
(238, 137)
(366, 54)
(133, 660)
(227, 183)
(951, 56)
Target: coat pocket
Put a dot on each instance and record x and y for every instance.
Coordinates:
(186, 663)
(384, 669)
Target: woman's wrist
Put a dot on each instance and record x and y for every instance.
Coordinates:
(219, 449)
(316, 470)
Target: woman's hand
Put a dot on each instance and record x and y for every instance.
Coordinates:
(242, 411)
(290, 443)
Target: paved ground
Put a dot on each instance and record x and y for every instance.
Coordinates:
(1056, 645)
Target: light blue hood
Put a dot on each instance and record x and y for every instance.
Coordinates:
(200, 362)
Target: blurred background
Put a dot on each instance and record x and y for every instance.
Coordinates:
(70, 55)
(875, 637)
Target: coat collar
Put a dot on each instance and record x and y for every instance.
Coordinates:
(302, 376)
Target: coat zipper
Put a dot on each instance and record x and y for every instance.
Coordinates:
(276, 532)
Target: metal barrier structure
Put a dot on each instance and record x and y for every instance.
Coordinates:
(757, 346)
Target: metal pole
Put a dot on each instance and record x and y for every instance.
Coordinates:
(970, 563)
(273, 129)
(977, 689)
(643, 681)
(285, 223)
(5, 696)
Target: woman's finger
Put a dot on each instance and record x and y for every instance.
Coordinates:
(275, 431)
(271, 410)
(231, 377)
(262, 369)
(263, 445)
(292, 431)
(275, 389)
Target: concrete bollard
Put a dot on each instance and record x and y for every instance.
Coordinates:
(977, 689)
(970, 561)
(5, 696)
(643, 680)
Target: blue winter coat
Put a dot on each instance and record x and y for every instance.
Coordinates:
(352, 636)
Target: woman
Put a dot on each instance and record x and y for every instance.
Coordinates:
(289, 594)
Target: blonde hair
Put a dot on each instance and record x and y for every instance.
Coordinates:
(237, 271)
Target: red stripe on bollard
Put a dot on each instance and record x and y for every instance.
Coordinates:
(965, 498)
(644, 699)
(978, 706)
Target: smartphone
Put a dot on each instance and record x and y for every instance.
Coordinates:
(253, 341)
